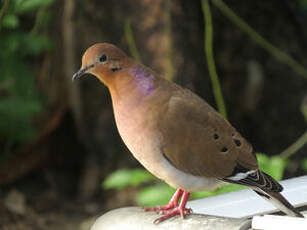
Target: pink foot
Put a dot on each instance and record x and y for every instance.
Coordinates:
(173, 203)
(172, 208)
(170, 213)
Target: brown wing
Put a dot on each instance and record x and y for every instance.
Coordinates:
(199, 141)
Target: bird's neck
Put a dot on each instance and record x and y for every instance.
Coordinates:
(133, 85)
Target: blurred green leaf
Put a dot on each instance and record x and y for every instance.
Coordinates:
(16, 118)
(273, 166)
(155, 195)
(303, 3)
(9, 43)
(229, 188)
(26, 6)
(127, 177)
(224, 189)
(10, 21)
(43, 18)
(35, 44)
(202, 194)
(20, 101)
(304, 164)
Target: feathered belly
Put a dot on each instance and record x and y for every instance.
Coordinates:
(145, 145)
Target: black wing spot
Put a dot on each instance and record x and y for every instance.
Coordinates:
(237, 142)
(224, 149)
(216, 136)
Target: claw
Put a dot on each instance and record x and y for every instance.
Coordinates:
(172, 208)
(170, 213)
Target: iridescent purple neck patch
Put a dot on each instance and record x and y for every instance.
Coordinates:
(143, 80)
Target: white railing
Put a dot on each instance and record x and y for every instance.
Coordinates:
(246, 203)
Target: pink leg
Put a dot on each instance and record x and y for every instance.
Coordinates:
(179, 210)
(171, 204)
(172, 208)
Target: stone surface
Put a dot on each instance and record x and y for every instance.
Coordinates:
(15, 202)
(135, 218)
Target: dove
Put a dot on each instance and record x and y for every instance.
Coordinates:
(175, 134)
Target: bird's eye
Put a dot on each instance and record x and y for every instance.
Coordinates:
(103, 58)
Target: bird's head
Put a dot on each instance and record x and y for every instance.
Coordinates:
(104, 61)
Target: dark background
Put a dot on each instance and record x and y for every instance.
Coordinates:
(57, 170)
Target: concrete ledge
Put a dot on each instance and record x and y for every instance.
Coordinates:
(135, 218)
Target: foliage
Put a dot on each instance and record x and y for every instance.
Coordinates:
(159, 192)
(152, 195)
(275, 165)
(278, 54)
(304, 164)
(217, 92)
(127, 177)
(303, 4)
(21, 40)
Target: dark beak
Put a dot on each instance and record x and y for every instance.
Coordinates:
(81, 72)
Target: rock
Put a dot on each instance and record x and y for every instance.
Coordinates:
(15, 202)
(135, 218)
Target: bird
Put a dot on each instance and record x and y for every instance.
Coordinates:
(175, 134)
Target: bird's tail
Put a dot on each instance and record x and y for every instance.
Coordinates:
(265, 186)
(278, 201)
